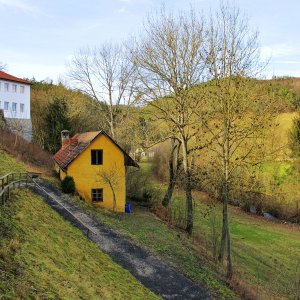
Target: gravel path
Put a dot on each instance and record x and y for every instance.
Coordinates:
(148, 269)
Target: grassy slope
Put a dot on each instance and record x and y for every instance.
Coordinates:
(266, 255)
(170, 244)
(44, 257)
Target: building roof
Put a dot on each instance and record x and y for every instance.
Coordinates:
(78, 143)
(9, 77)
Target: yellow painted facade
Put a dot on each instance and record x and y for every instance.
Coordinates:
(88, 176)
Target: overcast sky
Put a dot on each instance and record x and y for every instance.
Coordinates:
(38, 37)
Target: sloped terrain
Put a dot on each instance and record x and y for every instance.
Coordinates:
(44, 257)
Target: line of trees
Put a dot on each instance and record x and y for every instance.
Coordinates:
(159, 70)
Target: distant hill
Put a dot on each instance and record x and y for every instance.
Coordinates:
(288, 88)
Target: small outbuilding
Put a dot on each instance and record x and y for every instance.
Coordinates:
(98, 166)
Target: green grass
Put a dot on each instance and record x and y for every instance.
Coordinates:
(172, 245)
(278, 172)
(44, 257)
(9, 164)
(266, 255)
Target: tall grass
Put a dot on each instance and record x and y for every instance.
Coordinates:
(28, 152)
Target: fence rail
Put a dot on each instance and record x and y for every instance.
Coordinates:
(14, 180)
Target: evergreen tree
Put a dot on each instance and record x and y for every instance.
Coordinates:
(56, 120)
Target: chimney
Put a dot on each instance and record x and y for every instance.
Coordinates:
(65, 138)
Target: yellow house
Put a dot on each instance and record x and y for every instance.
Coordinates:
(97, 164)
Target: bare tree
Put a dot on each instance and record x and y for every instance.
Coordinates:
(107, 75)
(241, 111)
(2, 66)
(171, 59)
(112, 179)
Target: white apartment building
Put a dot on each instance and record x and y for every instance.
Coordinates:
(14, 97)
(15, 104)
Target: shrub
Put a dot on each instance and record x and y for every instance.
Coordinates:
(27, 152)
(151, 194)
(139, 186)
(136, 182)
(159, 165)
(68, 185)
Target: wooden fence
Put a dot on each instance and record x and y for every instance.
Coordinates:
(14, 180)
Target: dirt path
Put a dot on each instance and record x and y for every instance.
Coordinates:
(148, 269)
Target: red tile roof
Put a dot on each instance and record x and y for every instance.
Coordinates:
(78, 143)
(9, 77)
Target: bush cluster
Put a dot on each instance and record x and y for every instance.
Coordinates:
(68, 185)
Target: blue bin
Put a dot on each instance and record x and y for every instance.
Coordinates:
(128, 208)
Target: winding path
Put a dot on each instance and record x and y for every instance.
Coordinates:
(148, 269)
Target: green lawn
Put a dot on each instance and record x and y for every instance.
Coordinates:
(266, 255)
(44, 257)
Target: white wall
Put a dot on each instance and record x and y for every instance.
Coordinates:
(15, 97)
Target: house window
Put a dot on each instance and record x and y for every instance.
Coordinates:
(22, 89)
(6, 105)
(14, 106)
(97, 195)
(6, 87)
(14, 88)
(21, 107)
(96, 157)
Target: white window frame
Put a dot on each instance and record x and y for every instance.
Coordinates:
(6, 105)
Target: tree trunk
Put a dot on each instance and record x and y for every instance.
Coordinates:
(225, 240)
(114, 197)
(189, 204)
(224, 232)
(169, 193)
(173, 172)
(112, 129)
(188, 188)
(229, 260)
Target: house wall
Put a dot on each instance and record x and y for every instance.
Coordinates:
(86, 175)
(15, 97)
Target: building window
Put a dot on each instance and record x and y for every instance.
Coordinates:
(97, 195)
(14, 88)
(22, 89)
(6, 105)
(14, 107)
(21, 107)
(6, 87)
(97, 157)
